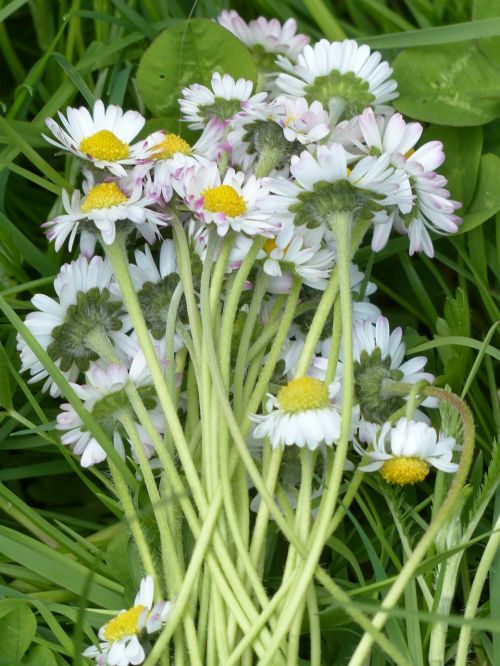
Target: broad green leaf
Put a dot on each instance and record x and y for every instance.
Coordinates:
(40, 655)
(189, 52)
(486, 201)
(462, 147)
(17, 630)
(456, 84)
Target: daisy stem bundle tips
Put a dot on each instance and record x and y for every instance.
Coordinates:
(229, 377)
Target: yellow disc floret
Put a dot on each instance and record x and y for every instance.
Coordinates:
(269, 245)
(104, 145)
(170, 145)
(303, 393)
(224, 199)
(404, 471)
(409, 153)
(103, 195)
(125, 624)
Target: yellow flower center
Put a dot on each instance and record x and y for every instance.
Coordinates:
(103, 195)
(404, 470)
(126, 624)
(104, 145)
(224, 199)
(269, 245)
(303, 393)
(170, 145)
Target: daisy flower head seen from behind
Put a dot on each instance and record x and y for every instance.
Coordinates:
(102, 137)
(344, 76)
(432, 207)
(378, 362)
(104, 397)
(225, 100)
(120, 638)
(84, 311)
(405, 452)
(128, 201)
(323, 185)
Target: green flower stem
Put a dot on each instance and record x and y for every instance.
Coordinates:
(269, 158)
(302, 525)
(118, 259)
(220, 270)
(262, 521)
(169, 338)
(221, 449)
(318, 323)
(454, 493)
(134, 523)
(344, 505)
(259, 293)
(326, 303)
(413, 398)
(117, 255)
(240, 443)
(226, 567)
(273, 355)
(231, 308)
(490, 552)
(333, 354)
(173, 570)
(190, 578)
(314, 626)
(340, 223)
(99, 342)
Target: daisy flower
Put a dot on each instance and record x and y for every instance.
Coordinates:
(302, 414)
(296, 250)
(225, 100)
(404, 453)
(323, 184)
(379, 360)
(155, 284)
(265, 35)
(344, 76)
(101, 207)
(432, 207)
(234, 202)
(104, 397)
(301, 122)
(120, 643)
(102, 138)
(171, 155)
(67, 326)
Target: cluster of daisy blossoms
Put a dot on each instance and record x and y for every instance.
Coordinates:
(271, 167)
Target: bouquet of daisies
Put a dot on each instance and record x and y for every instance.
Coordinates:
(218, 351)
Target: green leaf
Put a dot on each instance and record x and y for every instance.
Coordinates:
(41, 656)
(189, 52)
(486, 201)
(456, 322)
(17, 631)
(5, 388)
(462, 147)
(456, 84)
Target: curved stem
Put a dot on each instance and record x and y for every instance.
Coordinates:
(408, 570)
